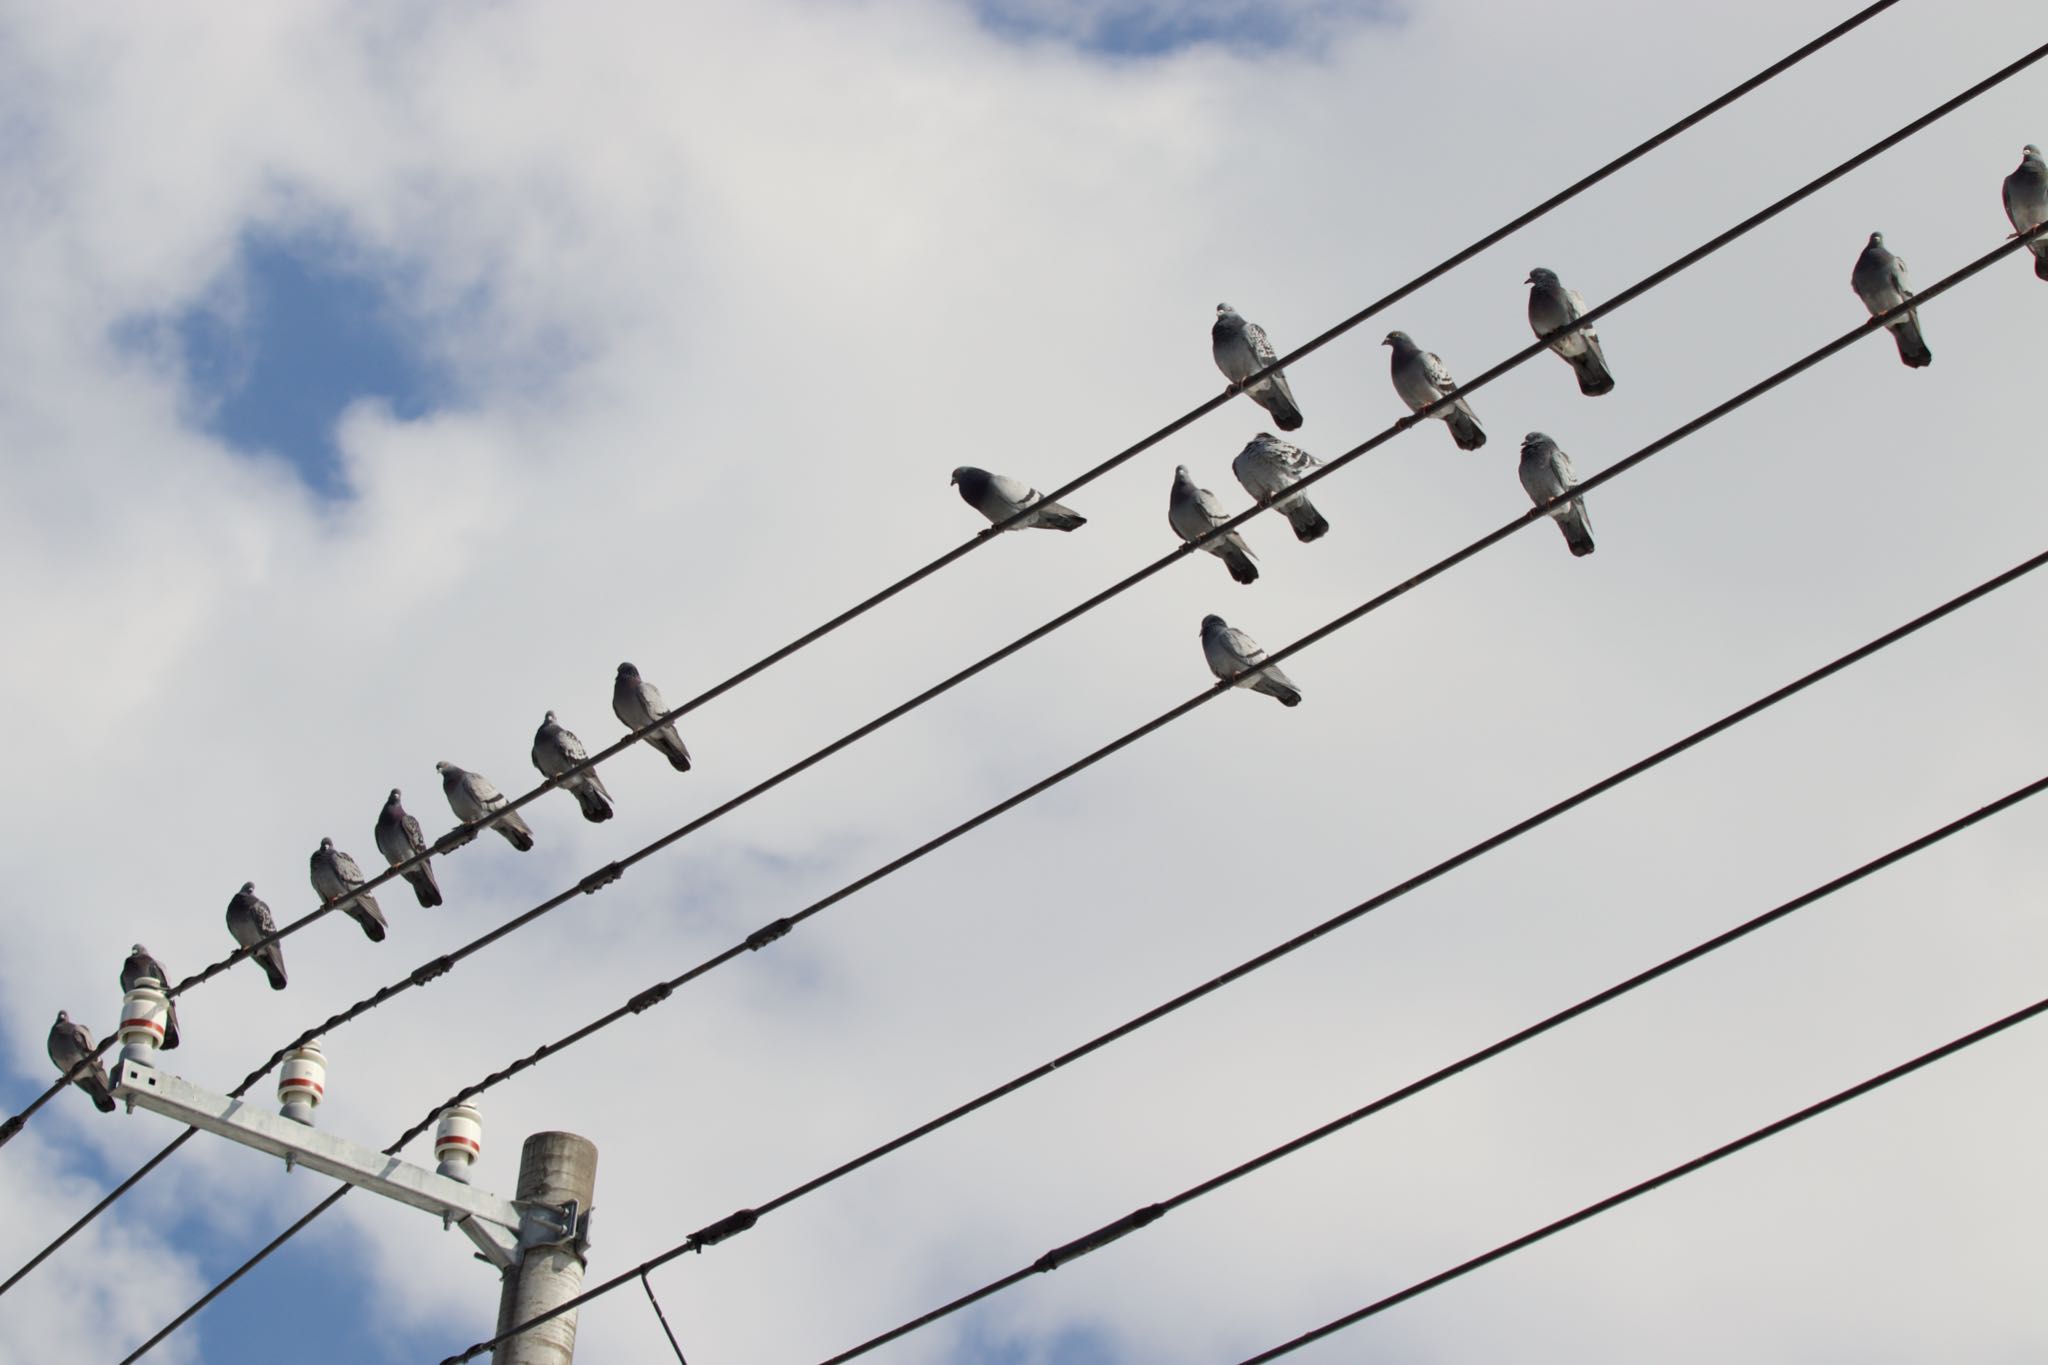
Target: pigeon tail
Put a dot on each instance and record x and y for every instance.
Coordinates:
(102, 1098)
(515, 831)
(671, 744)
(1307, 522)
(1912, 346)
(1278, 687)
(1053, 517)
(273, 966)
(1591, 366)
(1578, 530)
(423, 885)
(170, 1025)
(364, 911)
(1240, 563)
(1465, 428)
(2041, 260)
(1275, 399)
(596, 809)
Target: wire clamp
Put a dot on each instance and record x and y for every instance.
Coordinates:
(768, 933)
(1101, 1237)
(650, 997)
(731, 1225)
(427, 971)
(600, 879)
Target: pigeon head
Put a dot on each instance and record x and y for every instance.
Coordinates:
(1877, 239)
(63, 1017)
(1181, 475)
(548, 719)
(138, 950)
(393, 798)
(1224, 310)
(2030, 150)
(1541, 276)
(248, 888)
(628, 671)
(327, 845)
(1535, 438)
(957, 472)
(1397, 339)
(1211, 622)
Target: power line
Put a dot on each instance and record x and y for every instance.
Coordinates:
(461, 834)
(1656, 1181)
(667, 1331)
(1059, 1256)
(778, 928)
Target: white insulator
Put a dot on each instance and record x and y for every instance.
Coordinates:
(459, 1140)
(303, 1082)
(143, 1013)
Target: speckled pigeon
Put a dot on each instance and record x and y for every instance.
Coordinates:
(637, 705)
(1552, 306)
(249, 921)
(556, 751)
(1194, 512)
(399, 838)
(142, 966)
(472, 797)
(334, 875)
(1268, 467)
(1880, 281)
(1420, 378)
(1547, 475)
(1000, 497)
(1235, 657)
(71, 1046)
(2026, 203)
(1241, 351)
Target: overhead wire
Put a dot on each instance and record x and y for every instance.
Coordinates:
(463, 833)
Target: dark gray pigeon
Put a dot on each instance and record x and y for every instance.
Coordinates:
(399, 838)
(638, 705)
(1420, 378)
(1880, 281)
(1194, 512)
(140, 967)
(1241, 351)
(1235, 657)
(71, 1046)
(2026, 203)
(335, 874)
(249, 921)
(472, 797)
(1268, 467)
(556, 751)
(1000, 497)
(1552, 306)
(1547, 476)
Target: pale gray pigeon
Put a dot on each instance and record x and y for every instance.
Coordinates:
(140, 967)
(1420, 378)
(399, 838)
(249, 921)
(1000, 497)
(71, 1047)
(335, 874)
(1552, 306)
(2026, 203)
(1194, 512)
(556, 751)
(1546, 476)
(1268, 467)
(638, 705)
(472, 797)
(1241, 351)
(1235, 657)
(1880, 281)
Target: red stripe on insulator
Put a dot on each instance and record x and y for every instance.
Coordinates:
(297, 1083)
(152, 1025)
(453, 1140)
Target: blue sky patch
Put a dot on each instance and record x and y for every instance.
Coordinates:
(1151, 28)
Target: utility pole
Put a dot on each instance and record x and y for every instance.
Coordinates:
(557, 1170)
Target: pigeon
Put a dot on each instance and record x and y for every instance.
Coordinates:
(1420, 378)
(1880, 281)
(140, 967)
(1546, 476)
(638, 705)
(2026, 203)
(71, 1046)
(1000, 497)
(1194, 512)
(1552, 306)
(1234, 657)
(335, 874)
(1268, 467)
(556, 751)
(472, 797)
(399, 838)
(249, 921)
(1241, 351)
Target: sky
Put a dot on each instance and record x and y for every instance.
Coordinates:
(379, 376)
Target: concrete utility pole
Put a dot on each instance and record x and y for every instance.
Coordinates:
(557, 1170)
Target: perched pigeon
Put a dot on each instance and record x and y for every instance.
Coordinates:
(141, 967)
(335, 874)
(638, 705)
(249, 921)
(556, 751)
(1268, 467)
(1000, 497)
(399, 838)
(1234, 657)
(1547, 475)
(1420, 378)
(1552, 306)
(1241, 351)
(1194, 512)
(472, 797)
(71, 1046)
(2026, 203)
(1880, 281)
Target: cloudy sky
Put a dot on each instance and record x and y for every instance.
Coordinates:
(378, 376)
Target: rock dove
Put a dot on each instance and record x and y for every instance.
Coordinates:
(140, 967)
(638, 705)
(1241, 351)
(1420, 378)
(2026, 203)
(1880, 281)
(71, 1046)
(1552, 306)
(1268, 467)
(1546, 475)
(472, 797)
(999, 497)
(335, 874)
(1234, 657)
(249, 921)
(399, 838)
(1194, 512)
(556, 751)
